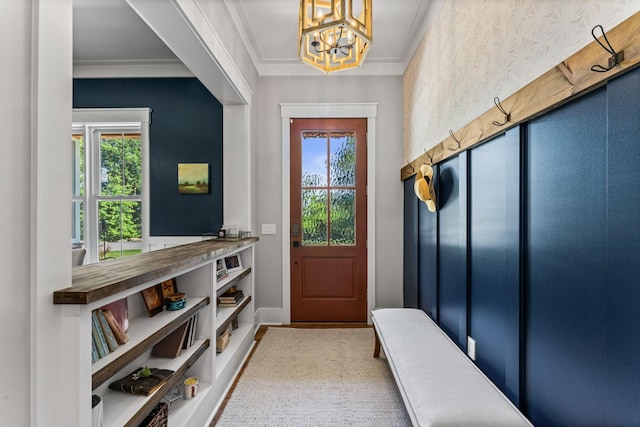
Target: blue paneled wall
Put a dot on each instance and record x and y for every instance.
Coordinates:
(428, 258)
(622, 293)
(565, 256)
(452, 248)
(494, 259)
(535, 254)
(410, 289)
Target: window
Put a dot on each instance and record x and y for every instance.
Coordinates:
(107, 188)
(329, 188)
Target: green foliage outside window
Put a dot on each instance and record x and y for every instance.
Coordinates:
(121, 175)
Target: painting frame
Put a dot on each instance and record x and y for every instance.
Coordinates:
(233, 263)
(193, 178)
(221, 270)
(168, 287)
(153, 301)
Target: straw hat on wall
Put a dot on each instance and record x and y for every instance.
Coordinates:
(424, 187)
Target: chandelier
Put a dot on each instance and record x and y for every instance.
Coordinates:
(334, 35)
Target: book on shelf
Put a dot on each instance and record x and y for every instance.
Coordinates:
(185, 342)
(106, 331)
(194, 329)
(191, 332)
(137, 383)
(230, 303)
(120, 310)
(96, 330)
(171, 345)
(94, 351)
(116, 327)
(231, 297)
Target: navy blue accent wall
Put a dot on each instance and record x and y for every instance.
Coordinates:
(186, 127)
(494, 266)
(623, 252)
(543, 266)
(410, 279)
(428, 240)
(565, 271)
(452, 251)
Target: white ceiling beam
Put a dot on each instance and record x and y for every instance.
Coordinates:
(181, 25)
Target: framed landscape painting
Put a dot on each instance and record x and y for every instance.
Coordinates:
(193, 178)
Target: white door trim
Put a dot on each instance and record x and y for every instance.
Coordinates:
(368, 110)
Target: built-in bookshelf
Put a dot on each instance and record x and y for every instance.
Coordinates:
(194, 267)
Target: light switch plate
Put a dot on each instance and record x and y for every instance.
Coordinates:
(471, 348)
(268, 229)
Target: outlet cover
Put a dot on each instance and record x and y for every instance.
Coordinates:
(471, 348)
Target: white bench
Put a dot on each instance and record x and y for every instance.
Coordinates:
(439, 384)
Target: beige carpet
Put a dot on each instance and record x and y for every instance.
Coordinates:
(315, 377)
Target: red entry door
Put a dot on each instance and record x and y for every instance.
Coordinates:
(328, 233)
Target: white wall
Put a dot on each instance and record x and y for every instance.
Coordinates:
(15, 43)
(35, 257)
(473, 51)
(387, 93)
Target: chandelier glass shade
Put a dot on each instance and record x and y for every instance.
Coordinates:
(334, 35)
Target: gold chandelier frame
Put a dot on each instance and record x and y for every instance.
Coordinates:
(333, 36)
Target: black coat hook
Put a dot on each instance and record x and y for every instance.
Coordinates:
(616, 57)
(411, 166)
(507, 116)
(430, 158)
(455, 139)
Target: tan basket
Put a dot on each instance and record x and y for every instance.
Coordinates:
(158, 417)
(223, 340)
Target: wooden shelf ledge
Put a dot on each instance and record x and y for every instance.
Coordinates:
(95, 282)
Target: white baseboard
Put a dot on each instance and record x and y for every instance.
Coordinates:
(270, 316)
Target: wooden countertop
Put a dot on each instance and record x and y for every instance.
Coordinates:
(94, 282)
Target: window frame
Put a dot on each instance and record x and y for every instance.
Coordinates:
(91, 123)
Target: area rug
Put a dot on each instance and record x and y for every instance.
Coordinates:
(315, 377)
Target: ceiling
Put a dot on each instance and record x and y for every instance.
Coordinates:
(110, 32)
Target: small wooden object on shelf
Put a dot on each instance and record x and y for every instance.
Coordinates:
(223, 340)
(171, 345)
(152, 298)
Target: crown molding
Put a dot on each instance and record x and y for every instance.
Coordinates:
(131, 69)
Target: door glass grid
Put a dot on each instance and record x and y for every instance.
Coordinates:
(328, 188)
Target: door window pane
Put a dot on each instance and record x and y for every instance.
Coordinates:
(314, 217)
(314, 159)
(343, 158)
(343, 217)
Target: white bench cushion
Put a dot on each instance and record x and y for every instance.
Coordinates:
(439, 384)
